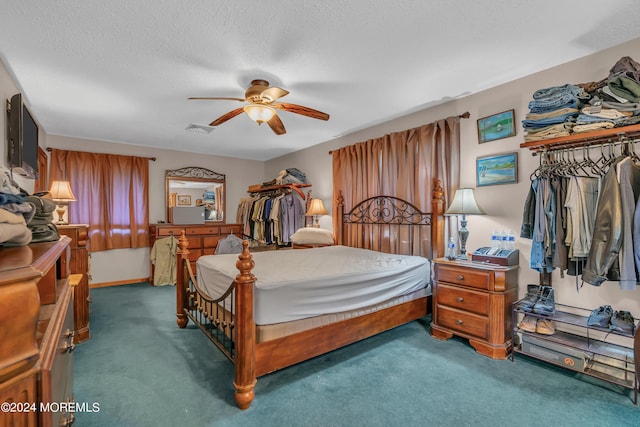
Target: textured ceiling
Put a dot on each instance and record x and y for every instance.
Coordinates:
(122, 70)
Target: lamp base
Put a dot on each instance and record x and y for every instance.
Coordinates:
(60, 211)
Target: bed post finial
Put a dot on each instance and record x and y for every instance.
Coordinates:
(437, 223)
(182, 282)
(245, 379)
(339, 221)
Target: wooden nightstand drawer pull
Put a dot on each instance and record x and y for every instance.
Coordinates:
(459, 322)
(460, 277)
(460, 299)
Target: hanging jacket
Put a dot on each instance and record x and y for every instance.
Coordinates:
(602, 263)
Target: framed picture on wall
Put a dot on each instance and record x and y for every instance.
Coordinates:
(497, 126)
(497, 169)
(184, 200)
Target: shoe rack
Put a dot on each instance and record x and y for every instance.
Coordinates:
(598, 352)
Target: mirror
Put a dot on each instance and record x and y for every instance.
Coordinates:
(200, 190)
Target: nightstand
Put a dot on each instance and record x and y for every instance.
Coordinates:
(473, 300)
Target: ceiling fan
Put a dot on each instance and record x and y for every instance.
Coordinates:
(261, 106)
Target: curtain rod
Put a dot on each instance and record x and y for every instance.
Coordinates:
(153, 159)
(464, 115)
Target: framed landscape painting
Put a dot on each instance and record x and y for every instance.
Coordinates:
(498, 126)
(497, 169)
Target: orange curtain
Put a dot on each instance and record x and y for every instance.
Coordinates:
(402, 164)
(112, 196)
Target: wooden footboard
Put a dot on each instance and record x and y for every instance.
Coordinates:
(233, 330)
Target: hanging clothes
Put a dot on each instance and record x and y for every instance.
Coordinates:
(163, 256)
(271, 217)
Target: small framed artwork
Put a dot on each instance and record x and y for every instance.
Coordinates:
(498, 126)
(184, 200)
(497, 169)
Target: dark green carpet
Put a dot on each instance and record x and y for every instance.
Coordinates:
(143, 370)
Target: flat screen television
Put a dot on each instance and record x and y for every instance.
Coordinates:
(22, 145)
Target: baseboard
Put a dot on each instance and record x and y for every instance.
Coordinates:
(118, 283)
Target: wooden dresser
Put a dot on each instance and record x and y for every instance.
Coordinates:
(473, 301)
(36, 339)
(79, 264)
(203, 238)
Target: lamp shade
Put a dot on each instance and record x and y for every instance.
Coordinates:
(259, 113)
(464, 203)
(316, 208)
(61, 191)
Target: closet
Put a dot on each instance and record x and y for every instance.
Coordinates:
(271, 214)
(591, 160)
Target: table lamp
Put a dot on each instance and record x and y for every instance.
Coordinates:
(316, 208)
(464, 203)
(61, 194)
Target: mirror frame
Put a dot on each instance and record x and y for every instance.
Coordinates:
(195, 174)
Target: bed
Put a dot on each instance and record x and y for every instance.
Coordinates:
(263, 322)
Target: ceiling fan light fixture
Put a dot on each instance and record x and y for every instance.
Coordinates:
(259, 113)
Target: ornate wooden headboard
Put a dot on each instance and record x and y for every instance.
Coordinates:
(390, 224)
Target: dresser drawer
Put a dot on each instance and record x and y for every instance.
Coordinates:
(211, 242)
(463, 299)
(190, 231)
(170, 231)
(474, 278)
(463, 321)
(230, 229)
(194, 242)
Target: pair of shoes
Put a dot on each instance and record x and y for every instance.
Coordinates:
(529, 300)
(540, 326)
(539, 300)
(600, 317)
(622, 321)
(545, 305)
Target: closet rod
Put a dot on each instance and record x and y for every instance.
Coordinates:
(153, 159)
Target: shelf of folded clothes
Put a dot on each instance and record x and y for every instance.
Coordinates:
(582, 114)
(583, 139)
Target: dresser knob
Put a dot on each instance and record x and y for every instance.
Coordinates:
(459, 322)
(68, 348)
(460, 299)
(460, 277)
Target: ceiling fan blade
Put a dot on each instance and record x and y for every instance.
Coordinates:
(273, 93)
(217, 99)
(299, 109)
(276, 125)
(230, 115)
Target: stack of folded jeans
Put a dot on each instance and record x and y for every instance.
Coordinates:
(553, 111)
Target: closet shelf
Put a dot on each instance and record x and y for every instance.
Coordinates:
(295, 187)
(584, 139)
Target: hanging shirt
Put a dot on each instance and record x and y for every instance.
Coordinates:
(163, 256)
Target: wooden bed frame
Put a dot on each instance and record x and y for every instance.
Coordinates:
(235, 335)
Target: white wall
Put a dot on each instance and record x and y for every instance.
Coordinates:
(503, 203)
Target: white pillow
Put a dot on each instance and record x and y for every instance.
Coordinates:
(312, 236)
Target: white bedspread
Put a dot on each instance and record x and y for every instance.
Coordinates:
(301, 283)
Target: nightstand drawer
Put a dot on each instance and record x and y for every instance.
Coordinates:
(474, 278)
(463, 299)
(464, 322)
